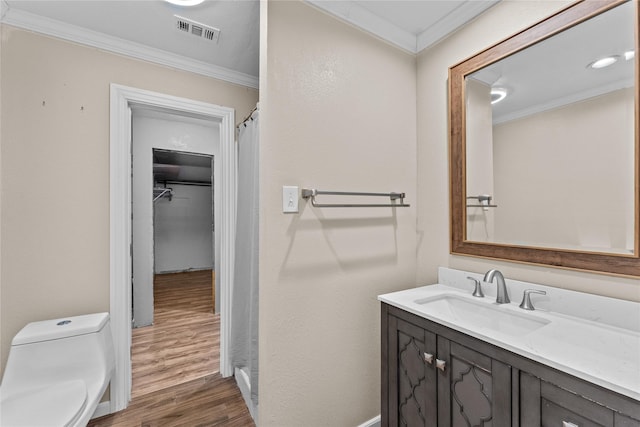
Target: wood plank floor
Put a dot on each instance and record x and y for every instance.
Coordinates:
(183, 342)
(175, 362)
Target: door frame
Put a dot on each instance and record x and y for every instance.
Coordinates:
(122, 97)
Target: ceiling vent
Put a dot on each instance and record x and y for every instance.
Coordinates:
(197, 29)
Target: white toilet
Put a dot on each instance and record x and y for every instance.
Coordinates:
(57, 372)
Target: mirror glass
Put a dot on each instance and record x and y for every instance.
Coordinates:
(550, 141)
(544, 145)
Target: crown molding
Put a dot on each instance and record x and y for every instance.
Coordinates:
(563, 101)
(454, 20)
(54, 28)
(356, 15)
(360, 17)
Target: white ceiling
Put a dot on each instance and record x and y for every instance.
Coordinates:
(147, 28)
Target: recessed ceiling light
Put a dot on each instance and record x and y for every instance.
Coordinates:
(497, 95)
(604, 62)
(630, 54)
(185, 2)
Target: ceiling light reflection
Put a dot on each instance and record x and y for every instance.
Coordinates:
(498, 94)
(185, 2)
(604, 62)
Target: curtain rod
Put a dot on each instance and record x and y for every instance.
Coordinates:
(243, 122)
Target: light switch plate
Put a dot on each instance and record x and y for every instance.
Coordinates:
(289, 199)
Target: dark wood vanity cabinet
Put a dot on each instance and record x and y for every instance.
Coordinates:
(434, 376)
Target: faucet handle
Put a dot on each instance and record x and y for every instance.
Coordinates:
(526, 298)
(477, 292)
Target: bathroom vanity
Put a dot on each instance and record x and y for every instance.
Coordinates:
(450, 359)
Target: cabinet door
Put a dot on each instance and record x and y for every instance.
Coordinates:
(473, 389)
(412, 380)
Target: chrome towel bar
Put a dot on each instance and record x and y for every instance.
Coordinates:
(484, 201)
(312, 193)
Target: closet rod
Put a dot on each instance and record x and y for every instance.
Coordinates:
(312, 193)
(162, 192)
(201, 184)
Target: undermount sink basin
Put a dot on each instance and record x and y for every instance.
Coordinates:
(481, 315)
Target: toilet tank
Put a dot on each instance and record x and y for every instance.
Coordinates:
(50, 351)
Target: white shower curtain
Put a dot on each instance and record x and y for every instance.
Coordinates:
(244, 304)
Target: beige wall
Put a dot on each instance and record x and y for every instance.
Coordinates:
(497, 23)
(55, 169)
(338, 114)
(584, 195)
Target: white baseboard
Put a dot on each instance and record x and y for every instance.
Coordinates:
(244, 384)
(373, 422)
(103, 408)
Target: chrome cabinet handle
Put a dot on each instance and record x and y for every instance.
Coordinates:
(441, 364)
(428, 357)
(569, 424)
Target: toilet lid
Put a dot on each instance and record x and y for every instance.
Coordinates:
(56, 405)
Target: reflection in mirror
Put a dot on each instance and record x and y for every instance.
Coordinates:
(550, 141)
(544, 144)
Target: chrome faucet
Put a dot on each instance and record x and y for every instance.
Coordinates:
(503, 294)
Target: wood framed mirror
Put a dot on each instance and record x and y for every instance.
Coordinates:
(544, 143)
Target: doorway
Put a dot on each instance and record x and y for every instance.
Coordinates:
(123, 99)
(171, 153)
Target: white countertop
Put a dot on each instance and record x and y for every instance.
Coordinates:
(597, 352)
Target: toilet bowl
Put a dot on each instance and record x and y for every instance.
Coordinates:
(57, 372)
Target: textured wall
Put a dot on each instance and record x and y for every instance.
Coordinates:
(338, 113)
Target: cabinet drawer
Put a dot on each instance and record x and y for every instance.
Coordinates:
(624, 421)
(560, 408)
